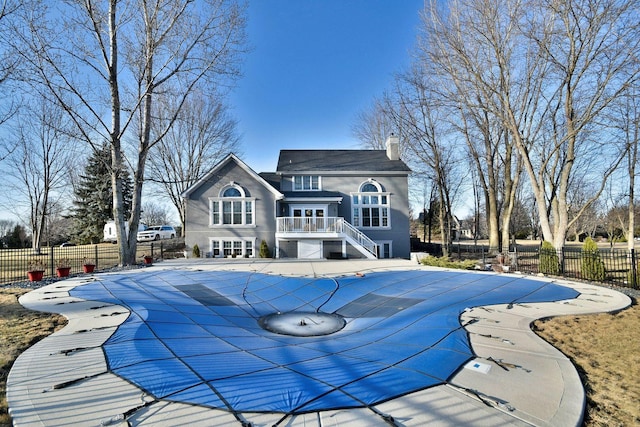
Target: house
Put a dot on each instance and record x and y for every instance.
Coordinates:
(317, 204)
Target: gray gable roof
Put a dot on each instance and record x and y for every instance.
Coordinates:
(292, 161)
(232, 158)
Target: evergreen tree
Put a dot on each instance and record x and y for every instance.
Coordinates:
(549, 260)
(592, 265)
(17, 238)
(94, 197)
(264, 250)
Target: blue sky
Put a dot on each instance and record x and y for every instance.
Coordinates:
(314, 65)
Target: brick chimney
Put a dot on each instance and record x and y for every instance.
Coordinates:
(393, 149)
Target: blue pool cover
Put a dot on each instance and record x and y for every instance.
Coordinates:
(194, 336)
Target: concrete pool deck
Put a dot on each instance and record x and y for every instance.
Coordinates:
(515, 379)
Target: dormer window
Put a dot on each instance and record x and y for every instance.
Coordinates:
(306, 183)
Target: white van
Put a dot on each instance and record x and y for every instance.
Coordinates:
(109, 232)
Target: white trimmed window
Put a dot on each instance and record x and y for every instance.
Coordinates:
(370, 206)
(239, 248)
(306, 183)
(232, 207)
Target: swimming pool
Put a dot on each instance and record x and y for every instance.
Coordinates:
(197, 336)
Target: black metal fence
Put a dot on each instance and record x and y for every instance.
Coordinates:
(607, 265)
(15, 263)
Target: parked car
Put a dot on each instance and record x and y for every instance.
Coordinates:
(157, 232)
(110, 230)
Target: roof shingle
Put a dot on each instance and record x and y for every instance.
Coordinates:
(338, 160)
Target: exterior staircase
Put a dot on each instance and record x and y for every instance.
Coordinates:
(359, 240)
(327, 228)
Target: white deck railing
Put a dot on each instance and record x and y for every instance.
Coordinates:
(338, 225)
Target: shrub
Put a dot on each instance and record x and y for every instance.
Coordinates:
(63, 263)
(264, 250)
(592, 265)
(36, 265)
(549, 262)
(445, 262)
(195, 251)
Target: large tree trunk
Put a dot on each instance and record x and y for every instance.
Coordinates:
(631, 128)
(511, 181)
(445, 232)
(117, 162)
(493, 214)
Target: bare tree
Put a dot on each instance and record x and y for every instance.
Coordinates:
(107, 62)
(8, 61)
(460, 47)
(587, 223)
(627, 122)
(491, 150)
(482, 143)
(434, 152)
(613, 223)
(201, 136)
(8, 65)
(521, 225)
(40, 164)
(154, 214)
(591, 50)
(373, 126)
(549, 84)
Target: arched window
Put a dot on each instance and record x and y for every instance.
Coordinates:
(370, 187)
(232, 207)
(370, 206)
(232, 192)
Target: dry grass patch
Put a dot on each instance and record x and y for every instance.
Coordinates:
(605, 348)
(19, 329)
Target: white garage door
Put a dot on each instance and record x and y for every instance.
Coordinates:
(310, 249)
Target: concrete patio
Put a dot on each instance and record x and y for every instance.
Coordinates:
(515, 378)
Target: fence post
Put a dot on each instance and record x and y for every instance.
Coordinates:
(161, 251)
(96, 255)
(634, 269)
(562, 266)
(51, 261)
